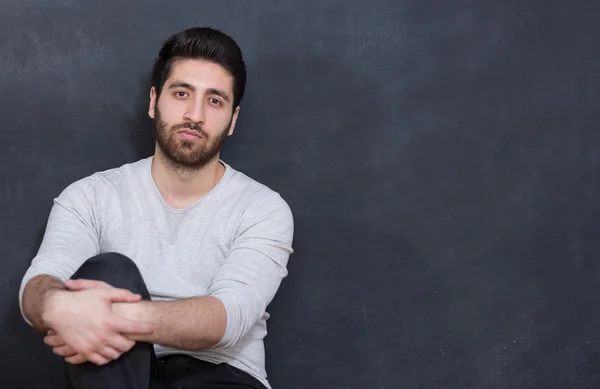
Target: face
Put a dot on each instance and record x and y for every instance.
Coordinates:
(194, 113)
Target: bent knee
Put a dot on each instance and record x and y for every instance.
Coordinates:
(112, 259)
(106, 266)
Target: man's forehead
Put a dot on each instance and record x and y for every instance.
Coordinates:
(200, 74)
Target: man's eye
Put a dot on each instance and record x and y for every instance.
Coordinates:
(180, 94)
(215, 101)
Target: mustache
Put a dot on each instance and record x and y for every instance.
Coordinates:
(191, 126)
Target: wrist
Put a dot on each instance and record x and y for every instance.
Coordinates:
(138, 311)
(51, 301)
(141, 312)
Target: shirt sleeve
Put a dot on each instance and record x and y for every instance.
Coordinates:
(71, 235)
(255, 266)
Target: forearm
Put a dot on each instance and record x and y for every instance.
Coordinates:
(188, 324)
(35, 296)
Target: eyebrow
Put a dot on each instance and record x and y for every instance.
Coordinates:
(210, 91)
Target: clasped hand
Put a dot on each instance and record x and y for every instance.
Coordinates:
(90, 322)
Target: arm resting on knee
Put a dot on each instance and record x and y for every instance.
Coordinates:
(70, 238)
(240, 291)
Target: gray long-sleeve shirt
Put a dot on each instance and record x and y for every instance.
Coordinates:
(233, 244)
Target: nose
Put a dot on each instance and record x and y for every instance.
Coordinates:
(195, 111)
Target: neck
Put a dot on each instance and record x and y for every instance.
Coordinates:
(179, 186)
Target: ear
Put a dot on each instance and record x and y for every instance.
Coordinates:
(233, 120)
(152, 107)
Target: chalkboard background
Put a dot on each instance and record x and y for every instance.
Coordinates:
(441, 159)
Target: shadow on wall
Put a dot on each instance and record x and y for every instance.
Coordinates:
(140, 125)
(23, 350)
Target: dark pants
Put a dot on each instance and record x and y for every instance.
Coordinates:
(139, 368)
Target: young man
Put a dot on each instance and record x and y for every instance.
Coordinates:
(158, 273)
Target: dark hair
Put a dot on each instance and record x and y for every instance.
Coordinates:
(202, 43)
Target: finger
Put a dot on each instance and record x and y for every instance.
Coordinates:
(121, 343)
(64, 351)
(54, 341)
(125, 296)
(119, 324)
(98, 359)
(133, 298)
(110, 353)
(76, 359)
(122, 295)
(51, 332)
(81, 284)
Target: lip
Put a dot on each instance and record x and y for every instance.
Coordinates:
(189, 134)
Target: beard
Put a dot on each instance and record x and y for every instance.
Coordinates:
(184, 154)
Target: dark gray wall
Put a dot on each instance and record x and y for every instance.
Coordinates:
(441, 159)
